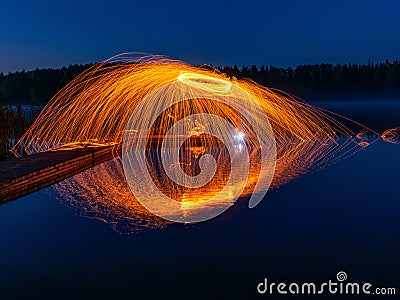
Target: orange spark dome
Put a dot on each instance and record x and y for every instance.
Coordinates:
(97, 105)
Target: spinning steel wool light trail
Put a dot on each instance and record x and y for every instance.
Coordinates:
(392, 135)
(97, 105)
(171, 118)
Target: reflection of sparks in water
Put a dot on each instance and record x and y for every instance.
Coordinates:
(103, 193)
(392, 135)
(96, 106)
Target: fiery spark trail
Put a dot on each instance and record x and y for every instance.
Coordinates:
(144, 103)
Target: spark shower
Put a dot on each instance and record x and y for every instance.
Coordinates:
(193, 140)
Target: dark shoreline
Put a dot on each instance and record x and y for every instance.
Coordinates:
(317, 82)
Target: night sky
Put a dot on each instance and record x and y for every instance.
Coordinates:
(280, 33)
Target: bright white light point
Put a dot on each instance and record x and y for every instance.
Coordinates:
(239, 136)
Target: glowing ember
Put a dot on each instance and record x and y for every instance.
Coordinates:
(392, 135)
(105, 105)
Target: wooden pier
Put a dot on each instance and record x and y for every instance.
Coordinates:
(25, 175)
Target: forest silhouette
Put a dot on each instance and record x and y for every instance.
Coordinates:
(317, 82)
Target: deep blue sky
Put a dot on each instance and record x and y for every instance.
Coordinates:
(281, 33)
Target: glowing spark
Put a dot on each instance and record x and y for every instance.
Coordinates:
(97, 105)
(392, 135)
(207, 83)
(239, 136)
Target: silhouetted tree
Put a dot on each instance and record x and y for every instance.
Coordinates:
(312, 82)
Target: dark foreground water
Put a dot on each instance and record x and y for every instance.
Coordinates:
(343, 218)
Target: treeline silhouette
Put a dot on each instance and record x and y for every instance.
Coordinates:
(315, 82)
(326, 82)
(36, 87)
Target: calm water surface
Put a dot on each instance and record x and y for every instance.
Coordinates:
(343, 218)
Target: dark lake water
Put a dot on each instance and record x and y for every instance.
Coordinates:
(342, 218)
(378, 115)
